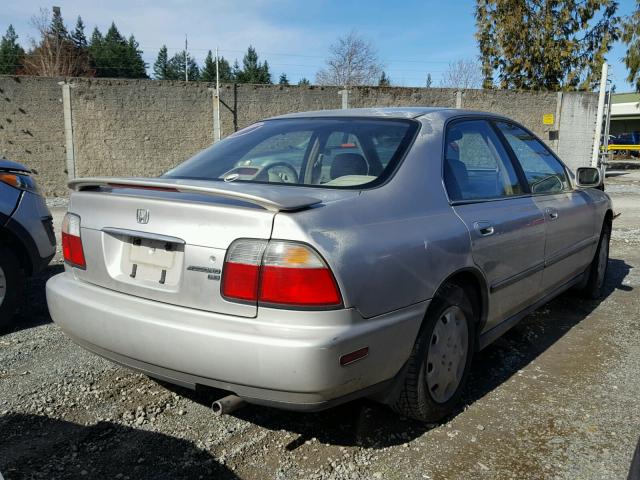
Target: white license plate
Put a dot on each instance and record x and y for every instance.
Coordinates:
(152, 253)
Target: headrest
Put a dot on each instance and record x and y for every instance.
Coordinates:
(348, 164)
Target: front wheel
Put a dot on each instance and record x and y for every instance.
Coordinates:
(11, 280)
(439, 364)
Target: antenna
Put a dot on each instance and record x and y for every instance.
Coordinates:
(186, 49)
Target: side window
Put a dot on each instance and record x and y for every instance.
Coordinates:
(476, 165)
(543, 171)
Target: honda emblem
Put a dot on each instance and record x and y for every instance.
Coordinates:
(142, 215)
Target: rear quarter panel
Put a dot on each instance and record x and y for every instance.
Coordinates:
(394, 245)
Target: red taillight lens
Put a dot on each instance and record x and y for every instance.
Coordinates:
(298, 286)
(71, 241)
(278, 273)
(240, 281)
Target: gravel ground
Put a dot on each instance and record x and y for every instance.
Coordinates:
(557, 397)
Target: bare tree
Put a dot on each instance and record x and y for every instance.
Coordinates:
(352, 61)
(462, 73)
(54, 54)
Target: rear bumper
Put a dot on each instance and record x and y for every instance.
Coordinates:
(285, 358)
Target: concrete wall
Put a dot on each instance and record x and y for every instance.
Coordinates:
(32, 128)
(144, 127)
(577, 128)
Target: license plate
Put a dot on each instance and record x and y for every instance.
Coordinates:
(148, 252)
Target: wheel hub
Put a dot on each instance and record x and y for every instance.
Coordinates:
(447, 355)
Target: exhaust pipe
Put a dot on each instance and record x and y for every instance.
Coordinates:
(227, 404)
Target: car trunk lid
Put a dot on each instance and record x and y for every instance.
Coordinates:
(165, 240)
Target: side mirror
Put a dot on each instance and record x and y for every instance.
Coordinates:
(588, 177)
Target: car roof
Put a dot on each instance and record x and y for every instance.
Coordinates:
(386, 112)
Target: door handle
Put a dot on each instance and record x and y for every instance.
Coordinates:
(552, 213)
(484, 228)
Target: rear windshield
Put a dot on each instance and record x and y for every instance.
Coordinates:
(327, 152)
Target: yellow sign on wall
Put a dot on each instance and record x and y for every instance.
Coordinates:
(547, 119)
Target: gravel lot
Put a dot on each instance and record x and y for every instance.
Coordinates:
(557, 397)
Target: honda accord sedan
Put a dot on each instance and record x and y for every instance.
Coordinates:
(314, 258)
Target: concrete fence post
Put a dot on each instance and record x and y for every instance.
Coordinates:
(217, 128)
(459, 99)
(68, 130)
(345, 98)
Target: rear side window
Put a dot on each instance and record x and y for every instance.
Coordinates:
(323, 152)
(476, 165)
(544, 173)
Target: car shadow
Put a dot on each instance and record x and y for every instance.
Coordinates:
(34, 446)
(33, 310)
(371, 425)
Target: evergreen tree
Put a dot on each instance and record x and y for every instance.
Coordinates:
(78, 37)
(631, 36)
(208, 73)
(175, 67)
(137, 65)
(252, 70)
(161, 66)
(304, 82)
(384, 80)
(11, 52)
(57, 24)
(545, 44)
(428, 82)
(283, 79)
(114, 56)
(236, 71)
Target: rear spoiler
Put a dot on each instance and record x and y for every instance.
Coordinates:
(283, 203)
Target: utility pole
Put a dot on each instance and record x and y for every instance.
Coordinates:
(218, 129)
(186, 68)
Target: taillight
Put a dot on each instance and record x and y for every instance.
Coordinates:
(278, 273)
(71, 241)
(242, 270)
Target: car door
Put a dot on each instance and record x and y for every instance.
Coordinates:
(570, 230)
(505, 225)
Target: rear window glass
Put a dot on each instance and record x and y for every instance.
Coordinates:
(328, 152)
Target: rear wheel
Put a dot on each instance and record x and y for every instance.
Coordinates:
(597, 273)
(439, 363)
(11, 281)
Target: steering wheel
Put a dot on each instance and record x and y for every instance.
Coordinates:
(282, 172)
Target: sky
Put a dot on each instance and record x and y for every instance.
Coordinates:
(412, 37)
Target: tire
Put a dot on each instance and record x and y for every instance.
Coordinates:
(597, 272)
(429, 391)
(11, 285)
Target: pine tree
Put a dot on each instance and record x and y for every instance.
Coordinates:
(11, 53)
(208, 73)
(137, 66)
(384, 80)
(545, 44)
(114, 56)
(283, 79)
(161, 66)
(175, 67)
(304, 82)
(78, 37)
(57, 24)
(428, 82)
(252, 70)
